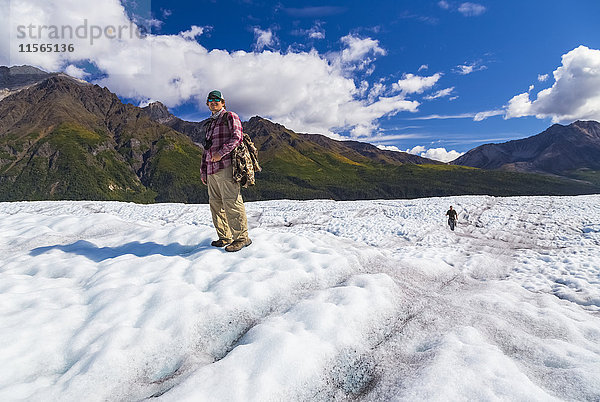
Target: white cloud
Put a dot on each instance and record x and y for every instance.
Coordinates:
(389, 148)
(193, 32)
(411, 83)
(471, 9)
(519, 106)
(316, 32)
(152, 23)
(468, 68)
(543, 78)
(479, 116)
(438, 154)
(358, 48)
(440, 94)
(574, 95)
(465, 69)
(378, 89)
(416, 150)
(76, 72)
(317, 35)
(363, 116)
(423, 67)
(264, 39)
(444, 4)
(84, 19)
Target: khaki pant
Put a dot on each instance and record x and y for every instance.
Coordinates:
(227, 206)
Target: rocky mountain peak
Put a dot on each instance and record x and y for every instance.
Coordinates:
(261, 125)
(60, 83)
(589, 128)
(158, 112)
(261, 121)
(18, 76)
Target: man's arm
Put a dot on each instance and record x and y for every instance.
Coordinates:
(203, 174)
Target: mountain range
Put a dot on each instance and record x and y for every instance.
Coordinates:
(64, 138)
(558, 150)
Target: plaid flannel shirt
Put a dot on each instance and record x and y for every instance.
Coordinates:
(225, 132)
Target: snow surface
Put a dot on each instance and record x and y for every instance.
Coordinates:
(374, 300)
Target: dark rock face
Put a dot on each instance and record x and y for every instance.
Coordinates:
(556, 150)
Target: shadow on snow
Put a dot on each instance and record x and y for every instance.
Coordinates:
(98, 254)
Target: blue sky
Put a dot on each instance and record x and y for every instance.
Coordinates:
(426, 76)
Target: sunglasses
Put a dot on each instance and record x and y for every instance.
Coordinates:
(213, 100)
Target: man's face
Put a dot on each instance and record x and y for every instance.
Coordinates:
(215, 105)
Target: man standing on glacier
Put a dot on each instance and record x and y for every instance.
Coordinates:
(223, 135)
(452, 218)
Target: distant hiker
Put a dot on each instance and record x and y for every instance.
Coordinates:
(452, 217)
(223, 135)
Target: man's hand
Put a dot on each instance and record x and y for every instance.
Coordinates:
(216, 158)
(203, 181)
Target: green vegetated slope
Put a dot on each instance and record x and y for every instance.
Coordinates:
(72, 163)
(282, 179)
(585, 175)
(65, 140)
(174, 173)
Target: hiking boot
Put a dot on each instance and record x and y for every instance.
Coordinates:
(237, 245)
(219, 243)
